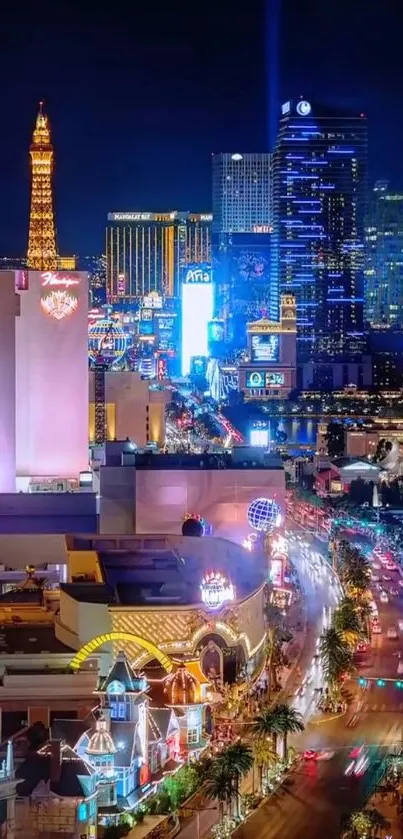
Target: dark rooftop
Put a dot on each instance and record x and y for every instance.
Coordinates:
(148, 460)
(32, 639)
(171, 575)
(36, 768)
(90, 592)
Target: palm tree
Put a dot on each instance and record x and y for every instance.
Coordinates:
(264, 756)
(218, 786)
(355, 569)
(336, 656)
(237, 761)
(290, 723)
(273, 657)
(346, 621)
(267, 726)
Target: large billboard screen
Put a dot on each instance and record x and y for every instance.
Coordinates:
(265, 347)
(263, 378)
(197, 311)
(250, 275)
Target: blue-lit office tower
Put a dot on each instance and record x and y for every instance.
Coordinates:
(319, 173)
(241, 240)
(384, 259)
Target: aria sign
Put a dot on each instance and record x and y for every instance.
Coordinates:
(216, 590)
(198, 274)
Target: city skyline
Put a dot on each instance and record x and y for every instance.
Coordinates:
(134, 144)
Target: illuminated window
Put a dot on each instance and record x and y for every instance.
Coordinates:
(194, 734)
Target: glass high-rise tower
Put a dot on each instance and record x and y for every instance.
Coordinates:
(319, 173)
(384, 259)
(242, 219)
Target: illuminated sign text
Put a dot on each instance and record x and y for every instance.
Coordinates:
(50, 279)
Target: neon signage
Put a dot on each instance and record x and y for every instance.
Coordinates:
(198, 275)
(216, 590)
(60, 280)
(59, 304)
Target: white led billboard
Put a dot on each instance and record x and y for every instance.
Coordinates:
(197, 311)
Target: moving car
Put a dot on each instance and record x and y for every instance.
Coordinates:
(394, 591)
(386, 578)
(358, 762)
(392, 633)
(384, 597)
(376, 628)
(310, 754)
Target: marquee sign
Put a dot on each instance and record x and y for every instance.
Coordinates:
(58, 299)
(216, 590)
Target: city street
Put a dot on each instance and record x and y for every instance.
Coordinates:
(320, 593)
(318, 793)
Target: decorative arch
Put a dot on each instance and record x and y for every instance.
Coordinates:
(226, 632)
(99, 640)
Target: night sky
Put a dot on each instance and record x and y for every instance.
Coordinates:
(140, 94)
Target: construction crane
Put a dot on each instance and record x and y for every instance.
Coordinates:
(101, 365)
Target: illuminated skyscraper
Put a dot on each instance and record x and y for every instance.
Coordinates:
(42, 255)
(384, 259)
(319, 190)
(148, 252)
(241, 240)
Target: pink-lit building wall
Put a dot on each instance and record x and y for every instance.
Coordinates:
(52, 374)
(9, 309)
(221, 496)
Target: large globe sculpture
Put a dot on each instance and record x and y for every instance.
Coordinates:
(107, 339)
(264, 514)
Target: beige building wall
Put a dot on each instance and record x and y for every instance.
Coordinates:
(132, 409)
(221, 496)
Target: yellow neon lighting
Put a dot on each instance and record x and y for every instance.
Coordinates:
(93, 645)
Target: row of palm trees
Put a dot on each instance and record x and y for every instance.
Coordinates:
(222, 775)
(350, 622)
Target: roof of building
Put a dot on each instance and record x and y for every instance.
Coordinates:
(121, 675)
(161, 570)
(353, 463)
(125, 738)
(36, 768)
(71, 730)
(30, 638)
(101, 742)
(159, 722)
(181, 687)
(90, 592)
